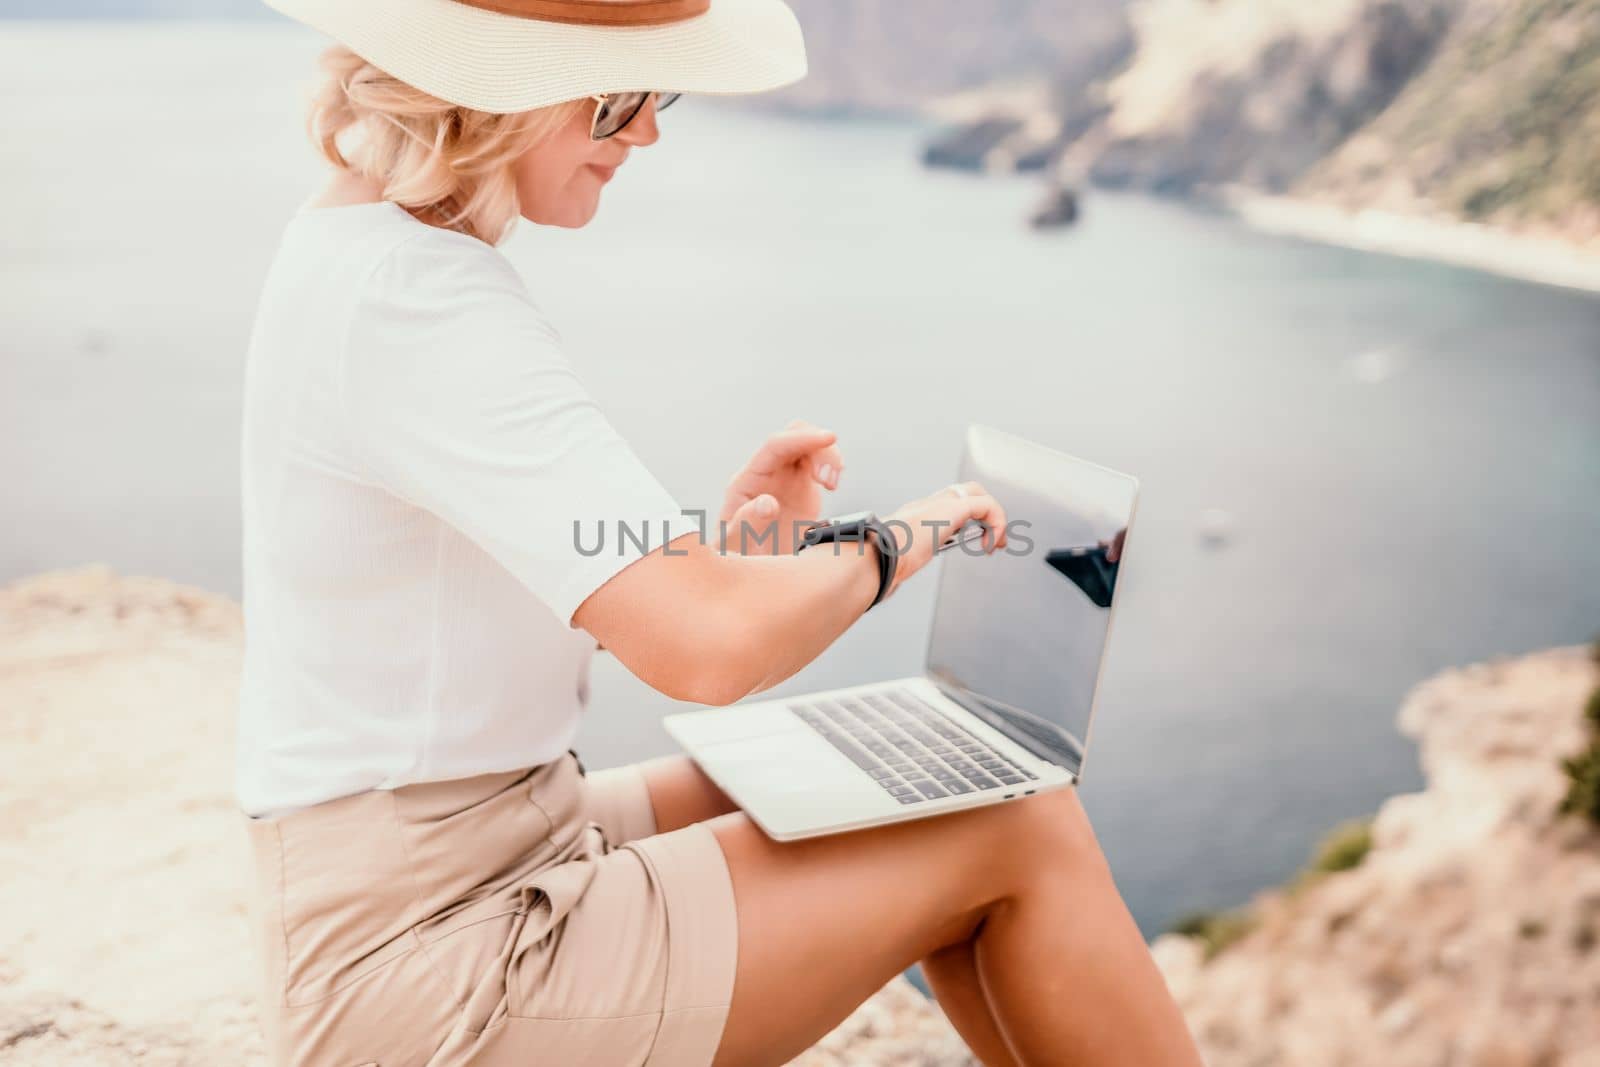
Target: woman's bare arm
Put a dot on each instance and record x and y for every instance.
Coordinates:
(710, 628)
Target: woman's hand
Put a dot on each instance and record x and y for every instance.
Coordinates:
(923, 525)
(778, 489)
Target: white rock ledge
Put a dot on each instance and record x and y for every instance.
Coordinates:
(1470, 935)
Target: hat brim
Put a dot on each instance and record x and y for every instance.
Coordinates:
(501, 63)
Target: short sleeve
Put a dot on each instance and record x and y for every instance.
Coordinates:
(460, 399)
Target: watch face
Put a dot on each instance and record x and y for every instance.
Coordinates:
(852, 527)
(816, 534)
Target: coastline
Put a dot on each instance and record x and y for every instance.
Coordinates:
(1542, 260)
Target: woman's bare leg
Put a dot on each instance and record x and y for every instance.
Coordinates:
(681, 794)
(952, 974)
(824, 922)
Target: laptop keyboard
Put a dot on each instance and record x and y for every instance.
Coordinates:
(910, 749)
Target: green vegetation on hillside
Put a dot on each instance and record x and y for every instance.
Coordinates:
(1583, 769)
(1216, 930)
(1502, 126)
(1341, 849)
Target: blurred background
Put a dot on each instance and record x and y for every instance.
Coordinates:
(1358, 467)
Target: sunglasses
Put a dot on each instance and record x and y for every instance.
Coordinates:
(616, 110)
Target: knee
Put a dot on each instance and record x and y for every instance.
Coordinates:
(1008, 850)
(1048, 833)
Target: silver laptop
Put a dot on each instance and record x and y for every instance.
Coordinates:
(1002, 707)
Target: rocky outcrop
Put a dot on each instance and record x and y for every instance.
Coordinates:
(1251, 91)
(1248, 91)
(1438, 110)
(1470, 932)
(1502, 127)
(122, 930)
(122, 917)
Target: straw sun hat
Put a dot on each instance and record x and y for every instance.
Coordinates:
(516, 55)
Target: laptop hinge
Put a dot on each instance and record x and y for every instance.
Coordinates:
(975, 705)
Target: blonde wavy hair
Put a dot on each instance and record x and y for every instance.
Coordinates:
(446, 164)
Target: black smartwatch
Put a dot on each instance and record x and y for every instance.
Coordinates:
(860, 526)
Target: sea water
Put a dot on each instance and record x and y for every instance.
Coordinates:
(1357, 470)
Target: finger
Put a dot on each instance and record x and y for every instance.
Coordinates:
(1114, 553)
(762, 507)
(993, 516)
(826, 466)
(987, 510)
(826, 463)
(962, 500)
(945, 522)
(786, 446)
(757, 513)
(962, 490)
(741, 492)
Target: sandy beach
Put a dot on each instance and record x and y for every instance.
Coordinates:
(1541, 259)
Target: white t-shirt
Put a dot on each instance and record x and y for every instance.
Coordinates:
(416, 451)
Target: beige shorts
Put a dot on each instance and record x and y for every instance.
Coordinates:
(529, 917)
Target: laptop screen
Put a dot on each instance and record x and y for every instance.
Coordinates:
(1018, 636)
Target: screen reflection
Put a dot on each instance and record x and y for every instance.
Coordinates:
(1018, 636)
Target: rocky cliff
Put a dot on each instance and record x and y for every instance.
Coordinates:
(1469, 933)
(1252, 91)
(122, 916)
(1501, 126)
(1474, 110)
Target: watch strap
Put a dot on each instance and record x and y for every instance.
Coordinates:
(860, 526)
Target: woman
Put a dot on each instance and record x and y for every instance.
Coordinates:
(438, 880)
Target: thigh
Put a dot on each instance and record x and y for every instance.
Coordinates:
(825, 922)
(619, 800)
(624, 957)
(653, 796)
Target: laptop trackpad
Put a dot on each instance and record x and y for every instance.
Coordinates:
(696, 729)
(792, 780)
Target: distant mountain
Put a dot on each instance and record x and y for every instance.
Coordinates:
(1502, 127)
(865, 55)
(1484, 110)
(1253, 91)
(894, 55)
